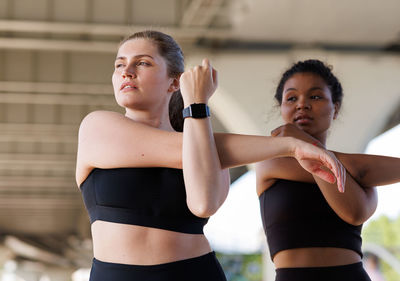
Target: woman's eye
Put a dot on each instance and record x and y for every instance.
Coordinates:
(291, 99)
(143, 63)
(118, 65)
(315, 97)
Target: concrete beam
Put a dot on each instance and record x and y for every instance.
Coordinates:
(200, 13)
(189, 14)
(44, 133)
(35, 183)
(106, 29)
(60, 99)
(55, 88)
(57, 45)
(37, 162)
(27, 250)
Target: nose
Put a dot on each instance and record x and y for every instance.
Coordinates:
(303, 103)
(129, 72)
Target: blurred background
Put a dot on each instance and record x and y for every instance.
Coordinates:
(56, 61)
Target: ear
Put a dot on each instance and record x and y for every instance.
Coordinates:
(337, 107)
(174, 86)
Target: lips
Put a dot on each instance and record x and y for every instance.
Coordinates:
(303, 118)
(127, 86)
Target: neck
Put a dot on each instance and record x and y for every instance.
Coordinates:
(157, 118)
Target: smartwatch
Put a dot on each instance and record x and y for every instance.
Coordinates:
(196, 110)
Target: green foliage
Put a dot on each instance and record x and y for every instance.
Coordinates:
(241, 267)
(385, 232)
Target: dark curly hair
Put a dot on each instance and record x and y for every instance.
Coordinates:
(173, 55)
(316, 67)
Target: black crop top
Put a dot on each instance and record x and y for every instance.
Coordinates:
(152, 197)
(296, 215)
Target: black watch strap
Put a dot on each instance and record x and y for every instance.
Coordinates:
(196, 110)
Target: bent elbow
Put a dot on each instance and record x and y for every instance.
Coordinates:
(356, 218)
(204, 205)
(204, 210)
(355, 221)
(359, 215)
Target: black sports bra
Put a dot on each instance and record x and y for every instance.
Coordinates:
(296, 215)
(152, 197)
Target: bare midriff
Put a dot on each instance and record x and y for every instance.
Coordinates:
(138, 245)
(315, 257)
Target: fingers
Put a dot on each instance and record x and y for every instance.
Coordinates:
(344, 174)
(325, 175)
(206, 63)
(215, 77)
(275, 132)
(339, 171)
(341, 178)
(282, 130)
(199, 83)
(335, 171)
(334, 174)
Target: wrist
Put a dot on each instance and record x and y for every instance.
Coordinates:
(196, 110)
(294, 144)
(188, 102)
(290, 146)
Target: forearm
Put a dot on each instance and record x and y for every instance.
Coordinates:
(206, 183)
(355, 205)
(237, 150)
(371, 170)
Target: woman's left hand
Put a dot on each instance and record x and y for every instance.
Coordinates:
(320, 162)
(199, 83)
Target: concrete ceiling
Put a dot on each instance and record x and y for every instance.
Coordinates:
(330, 22)
(55, 65)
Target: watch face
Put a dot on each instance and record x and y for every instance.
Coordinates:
(199, 110)
(196, 110)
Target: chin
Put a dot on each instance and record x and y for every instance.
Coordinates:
(128, 101)
(304, 128)
(130, 105)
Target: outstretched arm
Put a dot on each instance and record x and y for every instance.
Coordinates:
(371, 170)
(110, 140)
(236, 150)
(368, 170)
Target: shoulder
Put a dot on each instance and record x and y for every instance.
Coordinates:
(267, 172)
(101, 125)
(94, 129)
(274, 168)
(98, 118)
(101, 115)
(287, 168)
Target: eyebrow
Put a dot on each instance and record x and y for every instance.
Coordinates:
(136, 57)
(311, 89)
(290, 89)
(316, 88)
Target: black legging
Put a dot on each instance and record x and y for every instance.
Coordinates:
(351, 272)
(203, 268)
